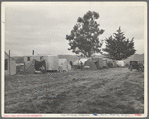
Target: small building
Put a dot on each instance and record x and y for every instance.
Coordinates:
(10, 65)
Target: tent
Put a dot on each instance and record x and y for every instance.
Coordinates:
(91, 64)
(98, 62)
(121, 63)
(83, 60)
(35, 65)
(10, 69)
(113, 62)
(77, 63)
(105, 63)
(64, 65)
(52, 62)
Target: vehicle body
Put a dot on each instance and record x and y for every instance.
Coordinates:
(136, 65)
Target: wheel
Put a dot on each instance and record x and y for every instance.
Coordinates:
(138, 69)
(130, 68)
(142, 69)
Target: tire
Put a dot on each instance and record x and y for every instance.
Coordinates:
(138, 69)
(142, 69)
(130, 68)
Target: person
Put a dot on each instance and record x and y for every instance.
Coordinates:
(81, 66)
(71, 63)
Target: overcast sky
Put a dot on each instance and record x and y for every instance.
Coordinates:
(43, 26)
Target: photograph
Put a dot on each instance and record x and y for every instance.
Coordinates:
(74, 59)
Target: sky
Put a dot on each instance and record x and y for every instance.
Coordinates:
(43, 27)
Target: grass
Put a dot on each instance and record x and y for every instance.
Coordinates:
(117, 91)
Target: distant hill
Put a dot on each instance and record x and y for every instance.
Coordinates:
(18, 59)
(137, 57)
(69, 57)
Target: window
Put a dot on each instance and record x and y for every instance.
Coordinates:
(28, 58)
(6, 64)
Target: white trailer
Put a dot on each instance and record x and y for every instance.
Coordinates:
(28, 59)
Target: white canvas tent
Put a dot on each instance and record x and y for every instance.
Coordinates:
(121, 63)
(10, 69)
(105, 62)
(64, 65)
(52, 62)
(83, 60)
(78, 61)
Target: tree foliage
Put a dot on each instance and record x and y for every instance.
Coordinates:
(84, 35)
(118, 47)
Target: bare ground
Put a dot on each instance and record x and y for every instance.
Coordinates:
(114, 90)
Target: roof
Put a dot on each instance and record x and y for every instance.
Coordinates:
(62, 61)
(9, 56)
(94, 60)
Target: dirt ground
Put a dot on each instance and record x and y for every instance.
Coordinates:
(113, 90)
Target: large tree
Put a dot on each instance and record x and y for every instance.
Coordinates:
(118, 47)
(84, 35)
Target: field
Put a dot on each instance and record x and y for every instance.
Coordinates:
(113, 90)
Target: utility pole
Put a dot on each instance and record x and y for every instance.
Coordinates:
(9, 62)
(33, 52)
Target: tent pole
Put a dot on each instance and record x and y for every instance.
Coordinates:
(24, 66)
(9, 62)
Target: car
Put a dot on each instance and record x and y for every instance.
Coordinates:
(136, 65)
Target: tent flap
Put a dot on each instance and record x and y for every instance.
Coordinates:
(39, 64)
